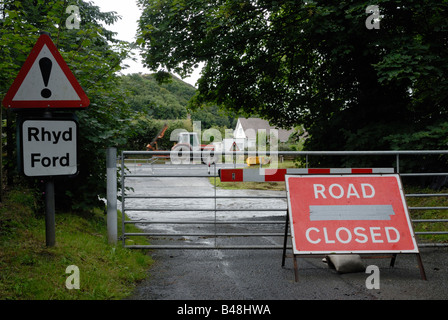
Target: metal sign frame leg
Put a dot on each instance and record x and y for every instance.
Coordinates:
(392, 260)
(420, 266)
(285, 240)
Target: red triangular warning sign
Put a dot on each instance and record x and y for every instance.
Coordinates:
(45, 81)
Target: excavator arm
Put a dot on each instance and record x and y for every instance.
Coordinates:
(153, 144)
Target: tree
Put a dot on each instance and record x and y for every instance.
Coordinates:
(94, 56)
(311, 63)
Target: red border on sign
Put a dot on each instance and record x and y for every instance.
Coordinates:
(76, 104)
(348, 231)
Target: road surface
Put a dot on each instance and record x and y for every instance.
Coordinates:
(257, 274)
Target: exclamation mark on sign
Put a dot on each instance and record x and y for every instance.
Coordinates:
(45, 65)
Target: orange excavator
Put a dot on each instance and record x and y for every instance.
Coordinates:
(152, 146)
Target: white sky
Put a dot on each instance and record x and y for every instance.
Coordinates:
(126, 28)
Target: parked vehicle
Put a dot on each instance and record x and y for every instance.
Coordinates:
(188, 149)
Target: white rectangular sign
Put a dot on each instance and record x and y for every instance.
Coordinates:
(49, 147)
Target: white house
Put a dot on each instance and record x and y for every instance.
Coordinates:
(246, 130)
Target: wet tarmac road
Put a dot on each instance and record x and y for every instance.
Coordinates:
(257, 274)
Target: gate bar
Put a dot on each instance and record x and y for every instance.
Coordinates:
(202, 222)
(204, 197)
(424, 174)
(304, 153)
(214, 247)
(206, 234)
(200, 209)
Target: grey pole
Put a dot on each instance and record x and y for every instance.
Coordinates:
(50, 233)
(50, 209)
(111, 164)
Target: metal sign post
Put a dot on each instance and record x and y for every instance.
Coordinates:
(50, 213)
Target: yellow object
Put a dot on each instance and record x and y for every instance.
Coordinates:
(251, 161)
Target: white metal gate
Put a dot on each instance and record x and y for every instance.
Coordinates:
(180, 206)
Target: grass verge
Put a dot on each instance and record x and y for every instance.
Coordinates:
(435, 201)
(31, 271)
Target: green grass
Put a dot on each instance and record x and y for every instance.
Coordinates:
(273, 186)
(428, 214)
(31, 271)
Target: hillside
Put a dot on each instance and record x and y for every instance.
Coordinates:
(159, 101)
(169, 101)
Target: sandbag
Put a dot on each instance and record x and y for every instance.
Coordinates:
(345, 263)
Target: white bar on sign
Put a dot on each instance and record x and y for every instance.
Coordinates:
(351, 212)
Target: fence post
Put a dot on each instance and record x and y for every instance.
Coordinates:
(111, 164)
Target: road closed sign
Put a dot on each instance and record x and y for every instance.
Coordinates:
(349, 214)
(49, 147)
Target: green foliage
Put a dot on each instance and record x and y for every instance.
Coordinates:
(169, 99)
(212, 116)
(432, 137)
(158, 101)
(311, 63)
(94, 56)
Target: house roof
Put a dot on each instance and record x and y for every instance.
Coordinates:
(256, 123)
